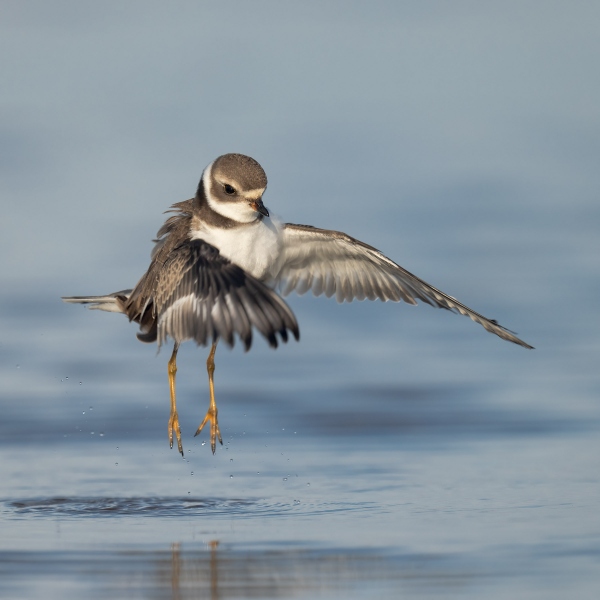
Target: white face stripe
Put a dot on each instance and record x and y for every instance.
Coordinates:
(206, 177)
(239, 211)
(254, 194)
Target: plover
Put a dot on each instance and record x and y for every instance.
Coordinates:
(218, 260)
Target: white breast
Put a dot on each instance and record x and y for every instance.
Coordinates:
(256, 247)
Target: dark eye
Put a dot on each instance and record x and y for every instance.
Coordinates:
(229, 190)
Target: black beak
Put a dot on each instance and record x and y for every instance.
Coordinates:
(258, 206)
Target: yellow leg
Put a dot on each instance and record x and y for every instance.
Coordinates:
(174, 419)
(211, 413)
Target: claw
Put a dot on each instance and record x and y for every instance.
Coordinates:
(211, 415)
(174, 427)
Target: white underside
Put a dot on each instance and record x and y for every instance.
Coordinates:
(255, 247)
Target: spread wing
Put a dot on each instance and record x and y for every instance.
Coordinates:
(198, 294)
(330, 262)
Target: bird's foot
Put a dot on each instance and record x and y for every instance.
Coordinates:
(211, 415)
(174, 427)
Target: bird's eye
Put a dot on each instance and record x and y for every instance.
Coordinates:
(229, 190)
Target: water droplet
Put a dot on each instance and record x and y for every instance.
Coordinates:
(91, 408)
(258, 472)
(91, 433)
(66, 378)
(80, 383)
(308, 484)
(116, 464)
(231, 460)
(231, 477)
(102, 434)
(285, 478)
(204, 442)
(192, 473)
(83, 413)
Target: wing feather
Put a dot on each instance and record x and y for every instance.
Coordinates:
(198, 294)
(334, 263)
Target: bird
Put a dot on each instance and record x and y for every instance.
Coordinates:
(221, 266)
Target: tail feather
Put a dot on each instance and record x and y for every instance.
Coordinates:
(110, 303)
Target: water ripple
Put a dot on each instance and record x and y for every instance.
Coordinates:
(173, 507)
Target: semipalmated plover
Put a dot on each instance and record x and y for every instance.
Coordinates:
(217, 261)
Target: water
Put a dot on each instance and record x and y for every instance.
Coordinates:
(480, 518)
(395, 451)
(428, 490)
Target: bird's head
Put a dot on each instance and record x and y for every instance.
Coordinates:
(233, 185)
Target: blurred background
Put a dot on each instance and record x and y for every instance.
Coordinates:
(461, 139)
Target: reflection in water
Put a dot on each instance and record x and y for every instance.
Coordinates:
(220, 572)
(297, 573)
(175, 570)
(176, 567)
(214, 572)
